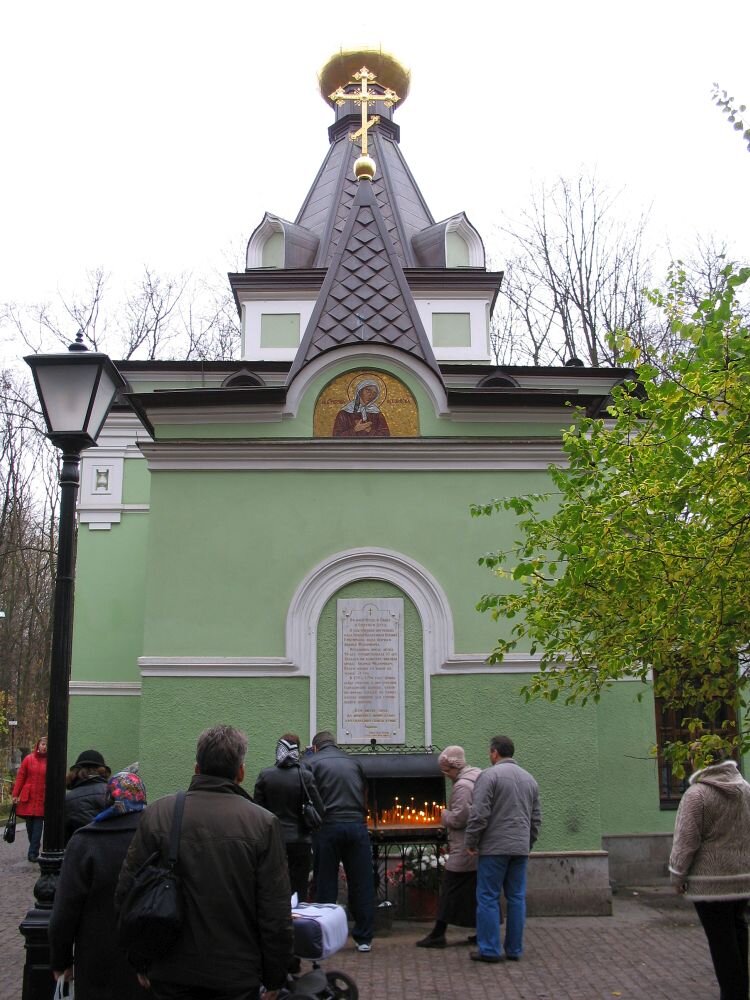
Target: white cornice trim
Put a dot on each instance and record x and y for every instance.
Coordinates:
(217, 666)
(450, 454)
(369, 355)
(476, 663)
(119, 688)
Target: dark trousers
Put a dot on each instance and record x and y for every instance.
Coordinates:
(181, 991)
(34, 827)
(298, 857)
(725, 925)
(348, 843)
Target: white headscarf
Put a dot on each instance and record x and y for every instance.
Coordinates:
(357, 406)
(287, 754)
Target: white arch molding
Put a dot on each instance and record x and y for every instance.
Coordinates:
(328, 577)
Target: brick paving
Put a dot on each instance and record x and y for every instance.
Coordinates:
(651, 949)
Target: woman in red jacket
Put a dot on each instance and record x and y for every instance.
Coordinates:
(28, 794)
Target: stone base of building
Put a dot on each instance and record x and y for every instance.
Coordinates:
(568, 883)
(638, 859)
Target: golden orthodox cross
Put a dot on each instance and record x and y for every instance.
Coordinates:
(364, 98)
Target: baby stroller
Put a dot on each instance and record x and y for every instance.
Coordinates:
(320, 930)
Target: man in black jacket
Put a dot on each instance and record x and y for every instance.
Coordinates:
(343, 836)
(237, 930)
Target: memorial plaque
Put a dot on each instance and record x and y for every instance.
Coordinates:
(371, 670)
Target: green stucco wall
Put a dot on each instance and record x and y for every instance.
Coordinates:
(107, 723)
(629, 779)
(258, 534)
(109, 600)
(176, 710)
(559, 745)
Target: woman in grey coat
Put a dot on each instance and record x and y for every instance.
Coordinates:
(82, 929)
(710, 864)
(459, 890)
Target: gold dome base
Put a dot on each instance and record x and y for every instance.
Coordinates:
(341, 67)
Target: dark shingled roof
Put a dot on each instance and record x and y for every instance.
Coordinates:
(326, 208)
(365, 298)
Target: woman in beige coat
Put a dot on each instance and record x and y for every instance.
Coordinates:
(710, 864)
(458, 897)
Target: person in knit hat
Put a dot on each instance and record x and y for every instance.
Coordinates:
(710, 863)
(458, 894)
(86, 782)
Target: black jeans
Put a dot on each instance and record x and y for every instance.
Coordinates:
(348, 843)
(299, 858)
(725, 925)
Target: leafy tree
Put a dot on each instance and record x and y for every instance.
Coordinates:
(638, 566)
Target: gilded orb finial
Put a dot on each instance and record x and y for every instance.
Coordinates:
(364, 168)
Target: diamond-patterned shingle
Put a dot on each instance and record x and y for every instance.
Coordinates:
(365, 292)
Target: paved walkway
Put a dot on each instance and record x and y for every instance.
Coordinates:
(652, 949)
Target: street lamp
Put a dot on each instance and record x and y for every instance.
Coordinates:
(76, 390)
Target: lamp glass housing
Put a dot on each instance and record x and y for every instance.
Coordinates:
(76, 391)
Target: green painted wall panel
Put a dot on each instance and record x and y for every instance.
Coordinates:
(109, 600)
(107, 723)
(629, 778)
(413, 659)
(177, 710)
(260, 533)
(136, 483)
(451, 329)
(557, 744)
(279, 329)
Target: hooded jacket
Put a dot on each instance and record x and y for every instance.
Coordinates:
(711, 846)
(455, 818)
(30, 782)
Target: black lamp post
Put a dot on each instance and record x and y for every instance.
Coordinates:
(76, 391)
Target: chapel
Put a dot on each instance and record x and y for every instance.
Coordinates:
(284, 541)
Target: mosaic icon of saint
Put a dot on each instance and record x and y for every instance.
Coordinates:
(362, 417)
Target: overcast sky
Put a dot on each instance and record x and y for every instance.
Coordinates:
(160, 132)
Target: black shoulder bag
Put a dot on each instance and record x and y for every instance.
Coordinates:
(311, 818)
(151, 913)
(9, 834)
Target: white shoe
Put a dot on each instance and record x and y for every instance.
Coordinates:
(364, 947)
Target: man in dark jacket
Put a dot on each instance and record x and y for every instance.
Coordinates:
(343, 836)
(280, 790)
(237, 930)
